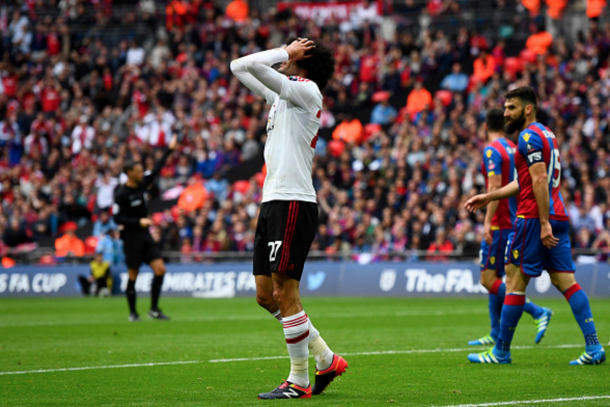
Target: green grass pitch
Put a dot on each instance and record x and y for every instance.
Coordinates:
(39, 334)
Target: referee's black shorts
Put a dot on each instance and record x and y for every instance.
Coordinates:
(139, 248)
(284, 234)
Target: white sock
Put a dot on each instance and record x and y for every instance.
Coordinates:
(296, 331)
(277, 315)
(321, 352)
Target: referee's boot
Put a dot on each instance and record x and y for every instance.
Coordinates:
(134, 317)
(157, 314)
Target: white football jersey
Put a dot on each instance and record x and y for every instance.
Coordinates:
(292, 134)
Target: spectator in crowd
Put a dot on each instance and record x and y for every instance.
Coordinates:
(602, 244)
(105, 190)
(111, 247)
(484, 67)
(540, 41)
(103, 224)
(72, 211)
(383, 113)
(419, 99)
(440, 245)
(15, 235)
(456, 81)
(82, 135)
(69, 245)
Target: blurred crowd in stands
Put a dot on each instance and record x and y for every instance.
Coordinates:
(83, 89)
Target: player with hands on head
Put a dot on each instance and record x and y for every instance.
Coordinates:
(288, 218)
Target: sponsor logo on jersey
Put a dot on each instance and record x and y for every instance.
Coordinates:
(526, 137)
(492, 260)
(535, 157)
(516, 254)
(488, 153)
(136, 202)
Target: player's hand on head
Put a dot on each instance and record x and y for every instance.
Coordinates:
(476, 202)
(173, 143)
(298, 48)
(546, 235)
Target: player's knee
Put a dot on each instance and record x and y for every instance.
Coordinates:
(264, 300)
(283, 297)
(555, 282)
(562, 281)
(278, 294)
(487, 280)
(160, 270)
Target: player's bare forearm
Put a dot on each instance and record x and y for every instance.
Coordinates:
(239, 67)
(540, 185)
(494, 183)
(541, 193)
(259, 66)
(507, 191)
(480, 201)
(492, 207)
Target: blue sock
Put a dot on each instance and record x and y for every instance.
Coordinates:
(495, 311)
(592, 343)
(511, 313)
(534, 310)
(496, 300)
(582, 312)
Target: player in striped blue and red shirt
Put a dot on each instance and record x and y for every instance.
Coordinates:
(540, 238)
(498, 168)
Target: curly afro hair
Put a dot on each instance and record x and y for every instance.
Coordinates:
(320, 66)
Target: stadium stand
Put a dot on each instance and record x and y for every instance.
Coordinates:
(87, 85)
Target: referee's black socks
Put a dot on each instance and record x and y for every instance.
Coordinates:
(155, 291)
(131, 295)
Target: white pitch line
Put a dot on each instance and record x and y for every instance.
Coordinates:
(244, 318)
(383, 352)
(512, 403)
(394, 352)
(70, 369)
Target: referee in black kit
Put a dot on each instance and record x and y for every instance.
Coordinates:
(130, 211)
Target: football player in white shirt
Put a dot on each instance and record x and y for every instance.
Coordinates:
(288, 218)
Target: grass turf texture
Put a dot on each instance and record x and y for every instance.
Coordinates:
(95, 332)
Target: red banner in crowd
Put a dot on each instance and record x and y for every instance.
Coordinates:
(339, 11)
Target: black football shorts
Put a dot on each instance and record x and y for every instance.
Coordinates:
(284, 234)
(140, 248)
